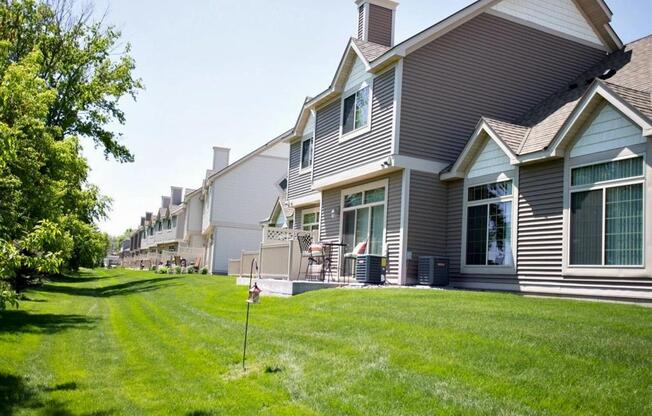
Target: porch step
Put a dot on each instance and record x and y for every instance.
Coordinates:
(287, 287)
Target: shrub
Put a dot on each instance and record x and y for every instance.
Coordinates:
(191, 270)
(178, 269)
(204, 270)
(163, 270)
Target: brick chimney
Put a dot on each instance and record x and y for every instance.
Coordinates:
(376, 20)
(220, 158)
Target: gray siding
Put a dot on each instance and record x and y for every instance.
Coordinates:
(361, 23)
(427, 218)
(298, 184)
(330, 227)
(297, 223)
(380, 25)
(487, 67)
(454, 225)
(540, 219)
(393, 237)
(331, 156)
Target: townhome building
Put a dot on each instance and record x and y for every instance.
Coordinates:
(234, 198)
(512, 138)
(161, 238)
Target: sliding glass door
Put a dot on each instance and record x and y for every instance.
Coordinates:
(363, 219)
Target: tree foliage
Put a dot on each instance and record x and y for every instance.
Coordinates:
(61, 80)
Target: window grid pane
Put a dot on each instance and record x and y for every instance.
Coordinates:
(499, 244)
(619, 169)
(624, 226)
(586, 228)
(377, 230)
(489, 191)
(362, 108)
(375, 195)
(306, 153)
(476, 235)
(348, 121)
(353, 200)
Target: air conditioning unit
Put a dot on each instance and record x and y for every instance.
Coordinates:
(433, 271)
(369, 269)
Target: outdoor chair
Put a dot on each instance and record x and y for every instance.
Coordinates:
(313, 252)
(351, 257)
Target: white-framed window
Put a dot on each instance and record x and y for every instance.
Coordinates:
(310, 219)
(489, 225)
(174, 221)
(607, 214)
(364, 216)
(356, 111)
(307, 143)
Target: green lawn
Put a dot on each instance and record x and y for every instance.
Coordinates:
(124, 342)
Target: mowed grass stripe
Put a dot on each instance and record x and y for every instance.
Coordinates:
(123, 342)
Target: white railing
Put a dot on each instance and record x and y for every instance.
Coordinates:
(285, 234)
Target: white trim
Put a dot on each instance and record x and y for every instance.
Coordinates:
(388, 4)
(310, 199)
(404, 227)
(415, 163)
(367, 83)
(491, 269)
(445, 26)
(555, 150)
(552, 31)
(468, 154)
(398, 98)
(603, 270)
(369, 170)
(598, 89)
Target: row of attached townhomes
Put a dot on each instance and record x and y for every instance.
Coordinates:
(207, 226)
(511, 138)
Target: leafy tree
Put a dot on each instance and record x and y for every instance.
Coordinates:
(115, 242)
(61, 79)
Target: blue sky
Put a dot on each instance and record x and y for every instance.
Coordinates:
(234, 73)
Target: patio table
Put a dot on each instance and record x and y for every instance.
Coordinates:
(328, 257)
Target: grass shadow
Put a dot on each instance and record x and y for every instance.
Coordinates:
(22, 321)
(121, 289)
(16, 395)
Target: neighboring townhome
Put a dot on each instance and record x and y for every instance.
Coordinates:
(425, 148)
(160, 239)
(235, 197)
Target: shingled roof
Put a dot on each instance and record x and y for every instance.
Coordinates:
(627, 72)
(370, 50)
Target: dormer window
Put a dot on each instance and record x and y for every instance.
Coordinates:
(356, 111)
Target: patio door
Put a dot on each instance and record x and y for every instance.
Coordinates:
(363, 218)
